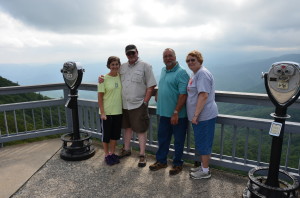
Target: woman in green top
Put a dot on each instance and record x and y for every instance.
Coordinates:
(110, 109)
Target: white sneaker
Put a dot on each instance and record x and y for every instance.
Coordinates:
(195, 169)
(200, 175)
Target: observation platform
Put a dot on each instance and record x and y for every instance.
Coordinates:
(36, 170)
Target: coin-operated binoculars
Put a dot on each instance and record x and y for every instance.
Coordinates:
(282, 84)
(76, 145)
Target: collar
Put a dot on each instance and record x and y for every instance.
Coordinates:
(173, 69)
(131, 65)
(199, 70)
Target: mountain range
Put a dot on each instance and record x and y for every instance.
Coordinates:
(246, 77)
(242, 77)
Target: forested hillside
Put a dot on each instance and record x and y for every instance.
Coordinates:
(246, 77)
(4, 99)
(38, 118)
(255, 111)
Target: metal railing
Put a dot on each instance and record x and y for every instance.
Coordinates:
(35, 118)
(240, 143)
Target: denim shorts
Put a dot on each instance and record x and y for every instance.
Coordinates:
(204, 135)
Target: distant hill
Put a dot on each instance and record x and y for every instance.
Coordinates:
(5, 99)
(33, 74)
(242, 77)
(246, 77)
(34, 118)
(6, 83)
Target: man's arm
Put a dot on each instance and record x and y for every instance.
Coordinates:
(183, 80)
(100, 79)
(148, 94)
(181, 101)
(150, 82)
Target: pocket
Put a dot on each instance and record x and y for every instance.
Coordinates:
(137, 76)
(144, 114)
(144, 107)
(146, 120)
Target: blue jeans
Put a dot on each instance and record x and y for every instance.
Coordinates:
(165, 132)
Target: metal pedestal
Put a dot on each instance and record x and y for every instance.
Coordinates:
(75, 150)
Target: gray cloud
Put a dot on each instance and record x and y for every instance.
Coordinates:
(61, 16)
(92, 15)
(242, 26)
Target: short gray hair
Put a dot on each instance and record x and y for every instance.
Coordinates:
(170, 49)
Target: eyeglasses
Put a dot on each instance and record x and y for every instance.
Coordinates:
(131, 53)
(191, 60)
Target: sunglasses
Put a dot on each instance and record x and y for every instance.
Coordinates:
(191, 60)
(130, 53)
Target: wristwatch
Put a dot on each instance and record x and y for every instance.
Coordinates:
(175, 112)
(145, 103)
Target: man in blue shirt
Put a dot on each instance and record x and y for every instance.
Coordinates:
(171, 98)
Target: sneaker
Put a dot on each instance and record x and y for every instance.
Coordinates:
(200, 175)
(156, 166)
(124, 153)
(109, 161)
(143, 161)
(175, 170)
(115, 158)
(195, 169)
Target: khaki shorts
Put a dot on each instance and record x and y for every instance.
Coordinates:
(136, 119)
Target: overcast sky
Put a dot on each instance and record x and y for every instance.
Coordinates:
(48, 31)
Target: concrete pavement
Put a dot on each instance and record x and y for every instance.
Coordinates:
(19, 162)
(93, 178)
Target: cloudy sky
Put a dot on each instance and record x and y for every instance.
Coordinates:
(49, 31)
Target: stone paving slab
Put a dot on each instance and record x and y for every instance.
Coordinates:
(93, 178)
(19, 162)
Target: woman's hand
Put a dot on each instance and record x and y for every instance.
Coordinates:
(201, 101)
(195, 120)
(103, 117)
